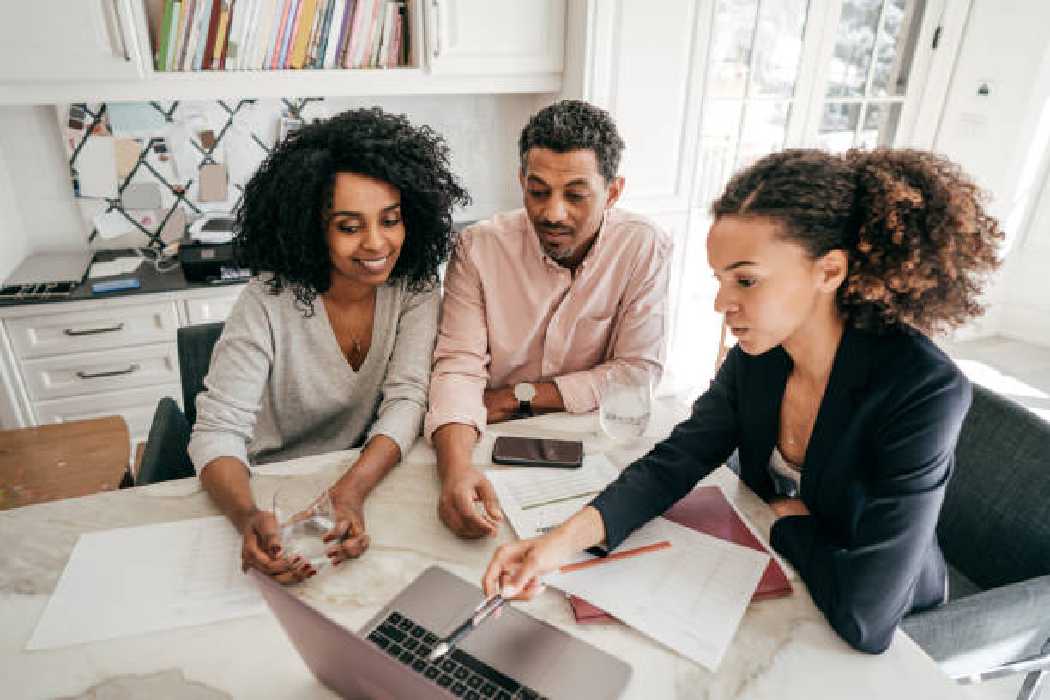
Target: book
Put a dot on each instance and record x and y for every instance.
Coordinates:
(310, 55)
(278, 38)
(706, 510)
(344, 33)
(289, 34)
(160, 59)
(186, 22)
(214, 19)
(320, 41)
(222, 43)
(177, 17)
(303, 29)
(238, 33)
(334, 34)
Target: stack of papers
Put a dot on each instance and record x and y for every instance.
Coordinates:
(689, 597)
(536, 500)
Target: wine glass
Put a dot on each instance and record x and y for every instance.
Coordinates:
(625, 405)
(303, 520)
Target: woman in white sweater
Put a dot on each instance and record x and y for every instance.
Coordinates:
(344, 227)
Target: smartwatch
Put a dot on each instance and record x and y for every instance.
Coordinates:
(524, 393)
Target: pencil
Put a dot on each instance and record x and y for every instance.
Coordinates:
(625, 554)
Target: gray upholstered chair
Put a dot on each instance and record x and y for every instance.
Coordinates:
(995, 533)
(165, 456)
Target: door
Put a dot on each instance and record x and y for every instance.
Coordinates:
(61, 41)
(495, 37)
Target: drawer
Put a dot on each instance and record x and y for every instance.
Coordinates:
(91, 372)
(136, 406)
(93, 329)
(211, 309)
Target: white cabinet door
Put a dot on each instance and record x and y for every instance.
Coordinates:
(496, 37)
(66, 40)
(211, 309)
(135, 406)
(86, 373)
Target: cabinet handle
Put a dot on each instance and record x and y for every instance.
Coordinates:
(93, 331)
(437, 27)
(112, 373)
(120, 31)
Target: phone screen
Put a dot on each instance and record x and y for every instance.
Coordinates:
(537, 452)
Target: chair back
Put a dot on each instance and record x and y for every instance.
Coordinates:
(195, 345)
(995, 523)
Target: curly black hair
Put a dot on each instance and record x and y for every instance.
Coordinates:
(282, 218)
(571, 125)
(919, 241)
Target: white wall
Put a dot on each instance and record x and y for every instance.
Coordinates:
(38, 210)
(12, 231)
(1001, 140)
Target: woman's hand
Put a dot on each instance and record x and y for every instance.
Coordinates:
(261, 549)
(516, 568)
(348, 535)
(788, 506)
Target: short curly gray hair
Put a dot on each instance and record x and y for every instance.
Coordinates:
(571, 125)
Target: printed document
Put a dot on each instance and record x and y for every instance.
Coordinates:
(538, 499)
(144, 579)
(690, 597)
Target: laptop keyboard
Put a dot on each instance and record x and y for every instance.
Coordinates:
(457, 672)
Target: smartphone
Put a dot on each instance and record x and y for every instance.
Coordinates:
(538, 452)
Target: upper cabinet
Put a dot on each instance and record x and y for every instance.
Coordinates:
(56, 41)
(57, 51)
(481, 37)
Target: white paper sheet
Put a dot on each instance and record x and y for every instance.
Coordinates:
(97, 167)
(117, 266)
(689, 598)
(536, 500)
(144, 579)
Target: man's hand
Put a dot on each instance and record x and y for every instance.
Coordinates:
(461, 490)
(788, 506)
(348, 537)
(261, 549)
(500, 404)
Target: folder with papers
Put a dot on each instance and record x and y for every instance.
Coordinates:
(707, 510)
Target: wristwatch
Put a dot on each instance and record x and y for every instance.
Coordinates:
(524, 393)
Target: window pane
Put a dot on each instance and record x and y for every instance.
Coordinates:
(838, 125)
(856, 41)
(880, 125)
(731, 41)
(778, 47)
(896, 46)
(765, 125)
(718, 147)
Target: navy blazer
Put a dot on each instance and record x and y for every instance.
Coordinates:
(873, 479)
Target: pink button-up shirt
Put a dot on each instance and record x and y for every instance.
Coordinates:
(511, 314)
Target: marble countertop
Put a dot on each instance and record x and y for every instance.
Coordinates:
(783, 649)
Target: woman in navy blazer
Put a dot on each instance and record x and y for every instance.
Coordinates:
(831, 269)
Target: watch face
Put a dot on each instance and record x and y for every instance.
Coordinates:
(524, 391)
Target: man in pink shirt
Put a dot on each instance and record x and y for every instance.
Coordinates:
(544, 305)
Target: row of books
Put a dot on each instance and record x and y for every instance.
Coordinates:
(196, 35)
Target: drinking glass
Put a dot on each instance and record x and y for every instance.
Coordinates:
(303, 519)
(625, 406)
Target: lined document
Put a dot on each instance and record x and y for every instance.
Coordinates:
(144, 579)
(690, 597)
(537, 500)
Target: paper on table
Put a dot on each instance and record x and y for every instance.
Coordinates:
(117, 266)
(143, 579)
(690, 597)
(538, 499)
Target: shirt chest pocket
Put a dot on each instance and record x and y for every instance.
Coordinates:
(590, 341)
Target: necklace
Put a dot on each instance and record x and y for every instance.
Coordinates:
(352, 323)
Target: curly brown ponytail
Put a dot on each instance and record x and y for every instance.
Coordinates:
(920, 244)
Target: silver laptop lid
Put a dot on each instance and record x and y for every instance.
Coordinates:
(54, 266)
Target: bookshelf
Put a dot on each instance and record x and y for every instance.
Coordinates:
(517, 51)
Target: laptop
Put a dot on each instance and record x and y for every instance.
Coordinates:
(514, 657)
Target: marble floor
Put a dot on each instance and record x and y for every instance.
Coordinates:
(1021, 371)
